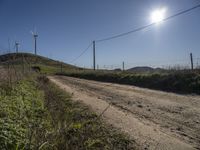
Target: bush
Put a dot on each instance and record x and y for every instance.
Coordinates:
(179, 82)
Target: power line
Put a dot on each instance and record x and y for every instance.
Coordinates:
(147, 26)
(81, 53)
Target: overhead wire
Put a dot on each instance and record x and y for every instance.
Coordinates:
(85, 50)
(136, 30)
(149, 25)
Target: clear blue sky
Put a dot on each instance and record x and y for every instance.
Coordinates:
(66, 27)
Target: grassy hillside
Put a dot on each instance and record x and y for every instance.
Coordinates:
(27, 61)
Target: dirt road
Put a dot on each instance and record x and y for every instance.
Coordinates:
(156, 120)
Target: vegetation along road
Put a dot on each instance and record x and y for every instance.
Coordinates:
(154, 119)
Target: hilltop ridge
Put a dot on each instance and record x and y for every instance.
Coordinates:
(46, 65)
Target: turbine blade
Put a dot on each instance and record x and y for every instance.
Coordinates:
(32, 32)
(35, 30)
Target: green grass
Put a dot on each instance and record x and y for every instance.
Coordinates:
(36, 114)
(22, 115)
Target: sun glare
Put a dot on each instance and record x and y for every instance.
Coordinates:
(158, 15)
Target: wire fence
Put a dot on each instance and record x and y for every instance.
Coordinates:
(178, 64)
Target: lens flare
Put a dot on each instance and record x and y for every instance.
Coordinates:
(158, 16)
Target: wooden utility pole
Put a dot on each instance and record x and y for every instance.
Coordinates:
(191, 59)
(23, 65)
(8, 45)
(123, 65)
(94, 61)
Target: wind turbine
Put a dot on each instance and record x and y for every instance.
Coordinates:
(35, 35)
(17, 46)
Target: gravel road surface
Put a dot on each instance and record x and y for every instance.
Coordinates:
(155, 119)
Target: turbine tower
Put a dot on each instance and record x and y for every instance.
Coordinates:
(17, 47)
(35, 35)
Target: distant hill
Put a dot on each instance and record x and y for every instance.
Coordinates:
(144, 69)
(140, 69)
(47, 65)
(117, 69)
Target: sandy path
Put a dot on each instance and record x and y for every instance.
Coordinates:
(156, 120)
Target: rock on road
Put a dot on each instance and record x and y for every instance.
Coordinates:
(154, 119)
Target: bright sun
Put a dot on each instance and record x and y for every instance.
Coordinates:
(158, 15)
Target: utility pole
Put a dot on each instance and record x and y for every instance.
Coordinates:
(123, 65)
(17, 46)
(9, 45)
(23, 65)
(94, 61)
(191, 59)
